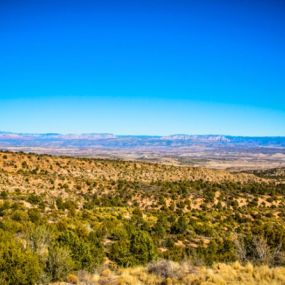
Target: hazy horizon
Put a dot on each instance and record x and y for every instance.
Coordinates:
(137, 135)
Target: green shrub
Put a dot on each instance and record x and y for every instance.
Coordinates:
(59, 263)
(18, 265)
(83, 252)
(137, 248)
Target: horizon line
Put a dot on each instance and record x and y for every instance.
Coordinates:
(140, 135)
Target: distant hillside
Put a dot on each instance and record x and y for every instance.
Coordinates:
(39, 173)
(277, 173)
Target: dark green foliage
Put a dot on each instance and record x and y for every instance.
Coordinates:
(132, 248)
(218, 251)
(3, 195)
(180, 226)
(59, 263)
(60, 203)
(35, 215)
(161, 226)
(18, 265)
(120, 253)
(142, 247)
(80, 251)
(85, 253)
(34, 199)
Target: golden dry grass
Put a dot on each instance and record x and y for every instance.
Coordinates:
(180, 274)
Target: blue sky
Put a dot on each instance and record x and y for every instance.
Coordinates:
(143, 67)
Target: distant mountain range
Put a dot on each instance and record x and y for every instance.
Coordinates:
(212, 151)
(107, 140)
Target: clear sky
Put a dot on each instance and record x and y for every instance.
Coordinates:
(143, 67)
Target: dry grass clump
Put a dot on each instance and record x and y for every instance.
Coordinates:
(169, 269)
(236, 274)
(165, 272)
(164, 269)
